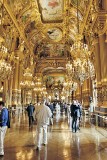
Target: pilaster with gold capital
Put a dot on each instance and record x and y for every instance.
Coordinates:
(86, 93)
(103, 55)
(78, 93)
(15, 84)
(28, 96)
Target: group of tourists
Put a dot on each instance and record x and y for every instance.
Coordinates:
(44, 112)
(42, 115)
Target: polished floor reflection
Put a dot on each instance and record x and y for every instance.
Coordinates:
(88, 144)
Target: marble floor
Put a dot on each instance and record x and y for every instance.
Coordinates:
(89, 143)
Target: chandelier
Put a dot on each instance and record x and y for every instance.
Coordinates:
(70, 85)
(69, 68)
(27, 82)
(82, 68)
(5, 69)
(44, 90)
(38, 86)
(3, 49)
(79, 49)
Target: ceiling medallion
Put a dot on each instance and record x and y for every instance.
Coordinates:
(54, 34)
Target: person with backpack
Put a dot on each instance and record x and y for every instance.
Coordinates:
(4, 122)
(74, 115)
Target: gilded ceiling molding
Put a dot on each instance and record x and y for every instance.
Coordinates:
(24, 10)
(81, 5)
(17, 26)
(86, 16)
(49, 62)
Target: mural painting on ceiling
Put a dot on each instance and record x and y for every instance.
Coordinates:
(51, 10)
(49, 50)
(54, 81)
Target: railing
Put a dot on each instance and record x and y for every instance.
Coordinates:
(98, 120)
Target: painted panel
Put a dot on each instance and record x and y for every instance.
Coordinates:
(51, 10)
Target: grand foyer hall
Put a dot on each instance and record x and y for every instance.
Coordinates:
(54, 50)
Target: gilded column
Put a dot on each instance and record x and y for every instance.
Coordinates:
(5, 92)
(15, 85)
(10, 90)
(98, 71)
(103, 55)
(78, 93)
(28, 96)
(85, 93)
(19, 87)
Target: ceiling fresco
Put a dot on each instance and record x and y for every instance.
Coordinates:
(54, 81)
(42, 28)
(51, 10)
(50, 50)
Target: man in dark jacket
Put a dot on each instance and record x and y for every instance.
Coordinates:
(3, 125)
(30, 110)
(74, 115)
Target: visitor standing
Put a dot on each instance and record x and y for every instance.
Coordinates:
(30, 110)
(4, 117)
(42, 113)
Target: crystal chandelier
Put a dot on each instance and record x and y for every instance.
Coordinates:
(27, 82)
(79, 49)
(3, 49)
(70, 85)
(69, 68)
(82, 67)
(44, 90)
(5, 69)
(38, 86)
(74, 86)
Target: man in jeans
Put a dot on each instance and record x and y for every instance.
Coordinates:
(74, 115)
(42, 113)
(30, 110)
(3, 126)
